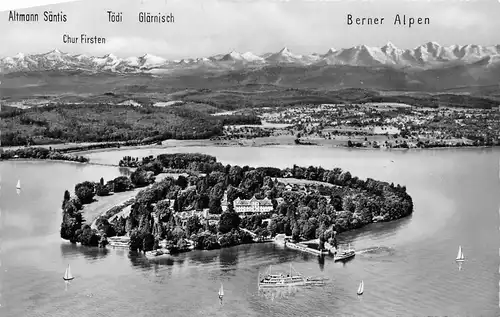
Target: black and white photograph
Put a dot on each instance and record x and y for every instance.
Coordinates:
(195, 158)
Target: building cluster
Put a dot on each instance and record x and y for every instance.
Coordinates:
(440, 125)
(248, 206)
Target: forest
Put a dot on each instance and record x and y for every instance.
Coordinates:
(41, 154)
(330, 202)
(58, 123)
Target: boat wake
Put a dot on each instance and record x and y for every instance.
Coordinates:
(278, 293)
(376, 252)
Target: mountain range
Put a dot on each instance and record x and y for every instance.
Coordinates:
(424, 57)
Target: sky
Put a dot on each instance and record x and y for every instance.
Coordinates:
(208, 27)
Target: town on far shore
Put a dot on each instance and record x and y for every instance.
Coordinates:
(375, 125)
(371, 125)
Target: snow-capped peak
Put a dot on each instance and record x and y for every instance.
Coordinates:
(232, 56)
(150, 58)
(389, 45)
(19, 55)
(251, 57)
(331, 51)
(285, 51)
(110, 56)
(427, 55)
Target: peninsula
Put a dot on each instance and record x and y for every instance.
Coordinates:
(212, 205)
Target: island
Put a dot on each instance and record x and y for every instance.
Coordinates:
(200, 203)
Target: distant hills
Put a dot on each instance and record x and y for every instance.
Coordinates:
(429, 67)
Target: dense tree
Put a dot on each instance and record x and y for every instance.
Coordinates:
(87, 236)
(121, 184)
(119, 226)
(69, 227)
(136, 240)
(193, 225)
(148, 241)
(37, 152)
(101, 190)
(140, 178)
(206, 241)
(182, 182)
(110, 123)
(85, 192)
(296, 232)
(105, 227)
(67, 197)
(229, 221)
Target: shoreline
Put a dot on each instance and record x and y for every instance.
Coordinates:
(58, 161)
(224, 231)
(157, 147)
(169, 144)
(74, 148)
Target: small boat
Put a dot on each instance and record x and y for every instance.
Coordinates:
(157, 254)
(361, 288)
(221, 292)
(18, 186)
(344, 254)
(460, 255)
(67, 275)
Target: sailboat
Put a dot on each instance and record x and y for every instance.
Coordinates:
(361, 288)
(460, 255)
(18, 186)
(221, 292)
(67, 275)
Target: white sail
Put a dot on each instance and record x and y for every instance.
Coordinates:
(18, 184)
(67, 274)
(460, 255)
(361, 288)
(221, 290)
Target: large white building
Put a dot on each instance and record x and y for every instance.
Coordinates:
(250, 206)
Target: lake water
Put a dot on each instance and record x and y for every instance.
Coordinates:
(408, 266)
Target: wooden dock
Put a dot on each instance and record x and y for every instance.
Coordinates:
(304, 248)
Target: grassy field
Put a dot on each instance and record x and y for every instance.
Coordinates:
(303, 182)
(102, 204)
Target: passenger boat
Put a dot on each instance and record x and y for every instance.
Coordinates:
(344, 254)
(293, 278)
(121, 241)
(281, 280)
